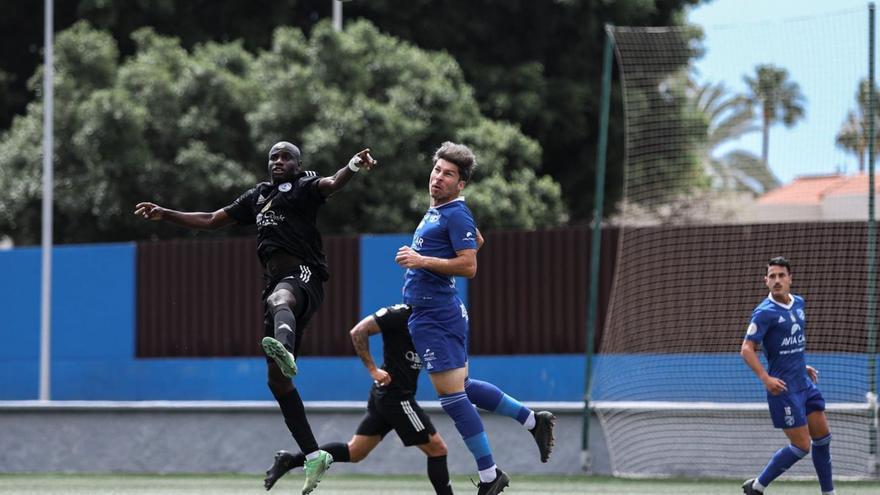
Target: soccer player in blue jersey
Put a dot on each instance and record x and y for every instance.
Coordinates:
(444, 246)
(796, 405)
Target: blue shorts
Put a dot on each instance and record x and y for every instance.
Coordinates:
(440, 335)
(790, 409)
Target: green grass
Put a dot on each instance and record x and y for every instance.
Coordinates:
(75, 484)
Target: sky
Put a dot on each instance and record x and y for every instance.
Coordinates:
(823, 45)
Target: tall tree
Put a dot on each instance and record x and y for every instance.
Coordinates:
(777, 97)
(190, 129)
(729, 117)
(853, 133)
(534, 63)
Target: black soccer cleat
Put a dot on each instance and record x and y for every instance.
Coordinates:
(545, 422)
(495, 486)
(283, 463)
(748, 490)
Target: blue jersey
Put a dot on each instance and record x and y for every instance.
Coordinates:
(780, 328)
(443, 231)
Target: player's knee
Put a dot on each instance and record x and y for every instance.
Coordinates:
(436, 446)
(281, 298)
(802, 445)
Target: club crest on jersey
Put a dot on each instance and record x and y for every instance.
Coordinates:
(285, 187)
(800, 313)
(433, 217)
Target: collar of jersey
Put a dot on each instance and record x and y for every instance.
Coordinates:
(460, 198)
(774, 301)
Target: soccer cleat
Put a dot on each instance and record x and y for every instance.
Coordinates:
(280, 355)
(748, 490)
(283, 463)
(545, 422)
(495, 486)
(315, 470)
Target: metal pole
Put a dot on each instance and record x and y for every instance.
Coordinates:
(337, 15)
(46, 291)
(872, 251)
(598, 202)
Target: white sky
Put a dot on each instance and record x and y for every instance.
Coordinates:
(823, 45)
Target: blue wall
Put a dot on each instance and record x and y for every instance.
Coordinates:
(93, 339)
(93, 347)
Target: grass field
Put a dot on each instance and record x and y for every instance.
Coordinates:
(75, 484)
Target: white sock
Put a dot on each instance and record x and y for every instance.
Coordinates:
(530, 421)
(488, 475)
(758, 486)
(312, 456)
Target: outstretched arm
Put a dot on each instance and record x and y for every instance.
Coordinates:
(193, 220)
(329, 185)
(360, 337)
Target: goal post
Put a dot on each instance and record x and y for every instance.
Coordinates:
(703, 208)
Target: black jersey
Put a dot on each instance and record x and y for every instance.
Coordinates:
(401, 360)
(285, 215)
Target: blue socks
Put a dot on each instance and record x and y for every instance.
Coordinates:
(783, 459)
(822, 462)
(470, 427)
(489, 397)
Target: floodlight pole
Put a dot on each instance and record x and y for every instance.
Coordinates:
(872, 254)
(46, 280)
(598, 202)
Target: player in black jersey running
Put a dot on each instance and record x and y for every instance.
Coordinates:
(392, 403)
(295, 268)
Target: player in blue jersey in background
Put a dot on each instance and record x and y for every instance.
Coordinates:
(796, 405)
(444, 246)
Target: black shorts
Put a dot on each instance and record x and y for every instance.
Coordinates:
(400, 413)
(307, 287)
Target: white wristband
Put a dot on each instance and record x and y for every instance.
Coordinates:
(352, 166)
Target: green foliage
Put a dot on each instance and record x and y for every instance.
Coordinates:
(534, 63)
(779, 100)
(853, 134)
(189, 129)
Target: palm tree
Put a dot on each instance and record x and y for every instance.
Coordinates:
(729, 117)
(778, 98)
(853, 134)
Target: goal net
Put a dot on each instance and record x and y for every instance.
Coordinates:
(702, 213)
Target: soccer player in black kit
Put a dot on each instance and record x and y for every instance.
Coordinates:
(295, 268)
(392, 403)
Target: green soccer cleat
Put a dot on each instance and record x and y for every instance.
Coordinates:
(315, 470)
(280, 355)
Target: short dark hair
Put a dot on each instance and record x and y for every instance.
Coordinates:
(460, 155)
(780, 261)
(290, 148)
